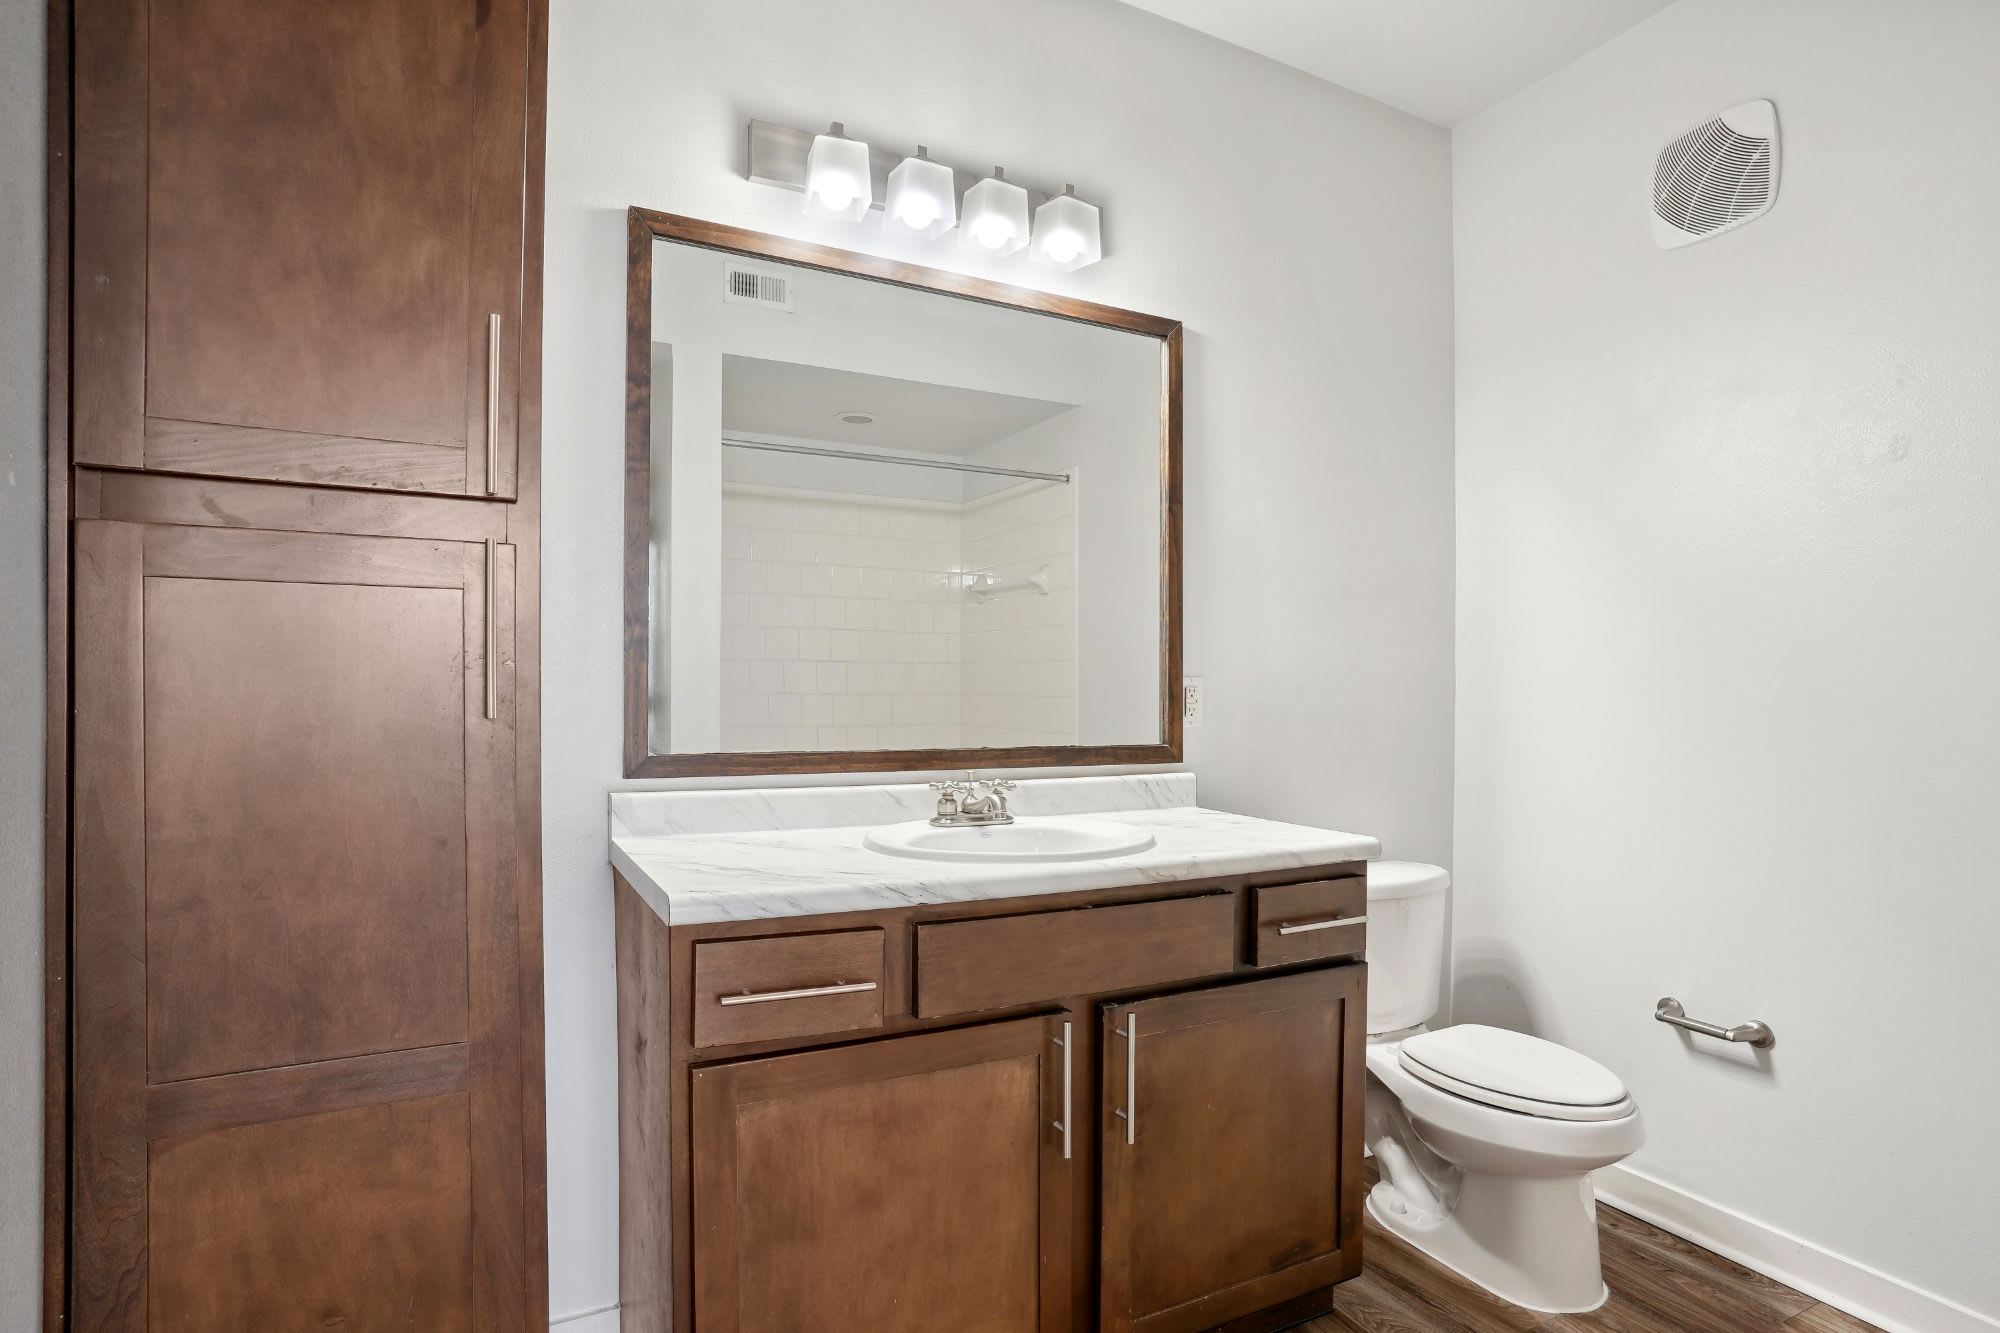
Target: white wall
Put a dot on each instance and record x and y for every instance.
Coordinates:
(1729, 614)
(21, 644)
(1301, 232)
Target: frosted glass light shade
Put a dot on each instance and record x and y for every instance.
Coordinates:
(1066, 233)
(995, 220)
(922, 196)
(837, 180)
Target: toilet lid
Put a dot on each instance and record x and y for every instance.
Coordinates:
(1516, 1072)
(1405, 879)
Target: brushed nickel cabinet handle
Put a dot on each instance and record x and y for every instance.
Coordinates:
(1130, 1115)
(492, 629)
(493, 404)
(1063, 1124)
(1305, 926)
(765, 997)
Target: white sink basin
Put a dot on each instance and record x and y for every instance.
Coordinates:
(1028, 838)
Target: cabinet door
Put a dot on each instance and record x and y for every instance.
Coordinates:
(1231, 1157)
(298, 247)
(899, 1186)
(298, 1091)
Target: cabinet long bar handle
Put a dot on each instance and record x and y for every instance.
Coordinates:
(492, 629)
(1756, 1032)
(1305, 926)
(1063, 1124)
(493, 404)
(765, 997)
(1130, 1115)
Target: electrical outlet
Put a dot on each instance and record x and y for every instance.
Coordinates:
(1191, 700)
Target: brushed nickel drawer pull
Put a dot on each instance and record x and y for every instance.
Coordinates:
(1063, 1124)
(1130, 1115)
(810, 992)
(492, 629)
(1305, 926)
(493, 404)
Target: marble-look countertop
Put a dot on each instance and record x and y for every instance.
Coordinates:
(705, 856)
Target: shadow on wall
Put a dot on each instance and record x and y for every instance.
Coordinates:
(1491, 984)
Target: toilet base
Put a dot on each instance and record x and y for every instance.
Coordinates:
(1531, 1241)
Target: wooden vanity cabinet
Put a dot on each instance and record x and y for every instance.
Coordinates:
(901, 1186)
(305, 239)
(972, 1139)
(1230, 1125)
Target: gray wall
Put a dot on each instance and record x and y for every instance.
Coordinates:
(1728, 630)
(21, 529)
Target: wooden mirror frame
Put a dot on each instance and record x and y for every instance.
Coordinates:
(643, 228)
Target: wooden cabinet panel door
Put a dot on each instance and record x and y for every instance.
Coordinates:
(899, 1186)
(1231, 1149)
(298, 1088)
(299, 239)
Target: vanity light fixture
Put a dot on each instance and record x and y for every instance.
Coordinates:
(995, 220)
(844, 178)
(1066, 233)
(921, 197)
(837, 180)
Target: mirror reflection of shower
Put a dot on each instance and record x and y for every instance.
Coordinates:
(929, 575)
(892, 519)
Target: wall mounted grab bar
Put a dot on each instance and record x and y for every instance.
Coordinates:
(1756, 1032)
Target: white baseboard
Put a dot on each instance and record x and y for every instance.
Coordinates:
(1842, 1283)
(601, 1320)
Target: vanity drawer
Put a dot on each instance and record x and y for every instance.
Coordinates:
(999, 962)
(787, 986)
(1296, 923)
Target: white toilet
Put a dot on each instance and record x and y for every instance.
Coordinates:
(1485, 1138)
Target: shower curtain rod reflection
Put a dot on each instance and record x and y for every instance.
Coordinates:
(818, 451)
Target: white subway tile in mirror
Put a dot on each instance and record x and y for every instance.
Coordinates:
(855, 622)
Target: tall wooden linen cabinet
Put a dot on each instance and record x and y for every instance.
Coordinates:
(295, 949)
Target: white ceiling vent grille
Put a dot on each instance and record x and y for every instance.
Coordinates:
(749, 286)
(1716, 177)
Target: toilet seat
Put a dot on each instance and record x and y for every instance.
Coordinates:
(1515, 1072)
(1524, 1105)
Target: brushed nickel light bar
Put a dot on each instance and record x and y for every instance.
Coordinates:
(778, 157)
(991, 212)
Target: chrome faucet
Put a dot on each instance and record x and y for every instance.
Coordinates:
(971, 802)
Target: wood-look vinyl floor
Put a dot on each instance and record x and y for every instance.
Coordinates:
(1659, 1284)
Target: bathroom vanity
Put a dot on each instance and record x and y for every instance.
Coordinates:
(1097, 1068)
(865, 1091)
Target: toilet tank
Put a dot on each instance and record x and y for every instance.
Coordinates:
(1406, 902)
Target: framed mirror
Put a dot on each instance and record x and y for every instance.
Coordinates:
(884, 517)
